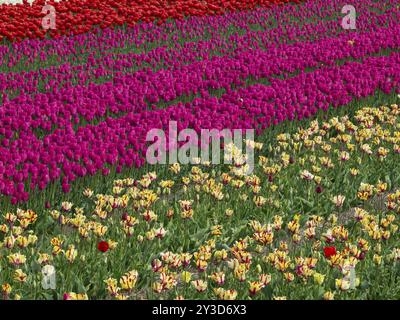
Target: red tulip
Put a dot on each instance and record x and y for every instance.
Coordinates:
(329, 252)
(103, 246)
(319, 189)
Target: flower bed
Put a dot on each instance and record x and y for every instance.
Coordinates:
(60, 123)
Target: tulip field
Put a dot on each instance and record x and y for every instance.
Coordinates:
(84, 215)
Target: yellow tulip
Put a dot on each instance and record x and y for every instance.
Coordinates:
(186, 276)
(318, 278)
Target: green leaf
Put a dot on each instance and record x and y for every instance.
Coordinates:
(268, 292)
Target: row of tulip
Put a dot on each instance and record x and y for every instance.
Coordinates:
(68, 155)
(137, 92)
(277, 25)
(80, 16)
(107, 65)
